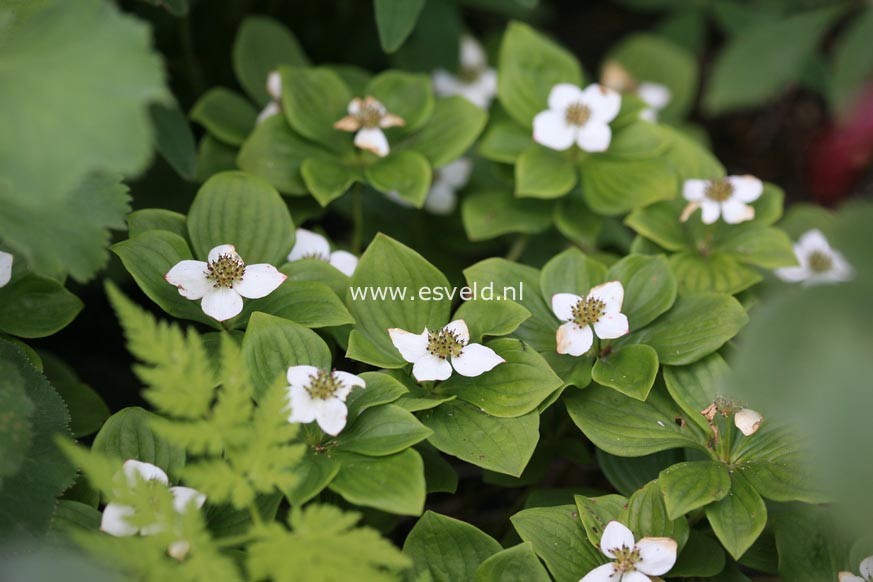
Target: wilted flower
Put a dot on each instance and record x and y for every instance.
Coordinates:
(274, 88)
(819, 263)
(434, 353)
(727, 197)
(748, 421)
(475, 81)
(223, 281)
(600, 310)
(368, 117)
(320, 395)
(5, 268)
(311, 245)
(577, 116)
(633, 561)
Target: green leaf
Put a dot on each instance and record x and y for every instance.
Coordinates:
(32, 306)
(383, 430)
(449, 131)
(407, 173)
(16, 428)
(395, 20)
(492, 213)
(559, 539)
(511, 389)
(504, 445)
(394, 483)
(810, 545)
(128, 434)
(174, 138)
(66, 235)
(225, 114)
(276, 153)
(504, 141)
(148, 257)
(613, 187)
(214, 156)
(225, 521)
(272, 345)
(491, 318)
(702, 556)
(765, 247)
(261, 46)
(716, 272)
(649, 287)
(388, 263)
(697, 325)
(692, 485)
(315, 472)
(242, 210)
(569, 272)
(689, 157)
(327, 179)
(646, 515)
(407, 95)
(543, 173)
(381, 389)
(696, 386)
(637, 140)
(446, 549)
(87, 408)
(852, 62)
(309, 303)
(516, 564)
(624, 426)
(759, 62)
(439, 474)
(739, 518)
(631, 370)
(313, 99)
(627, 474)
(596, 512)
(317, 271)
(530, 65)
(141, 221)
(660, 224)
(96, 78)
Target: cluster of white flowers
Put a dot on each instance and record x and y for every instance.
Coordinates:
(5, 268)
(728, 198)
(320, 395)
(598, 313)
(633, 561)
(577, 116)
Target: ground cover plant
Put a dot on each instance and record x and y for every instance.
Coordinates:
(435, 290)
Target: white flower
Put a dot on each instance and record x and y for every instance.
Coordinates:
(600, 309)
(748, 421)
(274, 88)
(726, 197)
(5, 268)
(819, 263)
(476, 81)
(320, 395)
(114, 520)
(656, 96)
(434, 353)
(634, 561)
(311, 245)
(577, 116)
(442, 198)
(866, 572)
(223, 281)
(368, 117)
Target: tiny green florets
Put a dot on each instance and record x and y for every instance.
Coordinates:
(323, 385)
(577, 114)
(819, 262)
(625, 559)
(719, 190)
(225, 271)
(588, 311)
(444, 343)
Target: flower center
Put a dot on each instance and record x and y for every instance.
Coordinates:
(719, 190)
(588, 311)
(225, 271)
(323, 385)
(577, 114)
(371, 113)
(469, 74)
(317, 256)
(444, 343)
(819, 262)
(625, 559)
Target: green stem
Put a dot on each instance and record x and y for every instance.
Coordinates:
(517, 248)
(358, 220)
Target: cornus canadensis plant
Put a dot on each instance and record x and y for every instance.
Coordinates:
(577, 117)
(367, 118)
(727, 198)
(598, 313)
(475, 81)
(817, 262)
(633, 561)
(311, 245)
(320, 395)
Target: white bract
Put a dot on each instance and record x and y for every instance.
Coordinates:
(5, 268)
(434, 353)
(274, 88)
(600, 310)
(818, 262)
(368, 117)
(311, 245)
(866, 572)
(656, 96)
(114, 520)
(577, 116)
(475, 81)
(727, 198)
(320, 395)
(222, 281)
(633, 561)
(748, 421)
